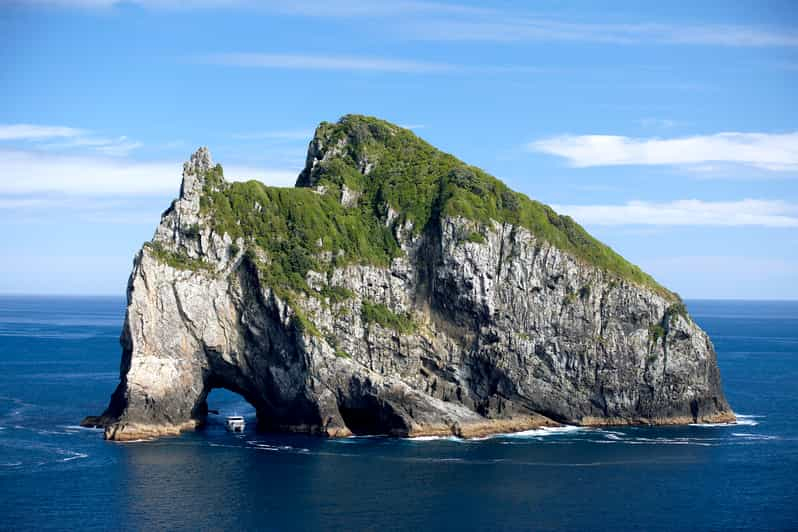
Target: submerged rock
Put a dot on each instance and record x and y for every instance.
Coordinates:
(396, 291)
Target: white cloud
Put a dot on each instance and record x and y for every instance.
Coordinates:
(66, 138)
(326, 62)
(152, 4)
(504, 27)
(441, 21)
(771, 151)
(118, 147)
(32, 173)
(358, 8)
(29, 172)
(353, 64)
(308, 8)
(36, 132)
(747, 212)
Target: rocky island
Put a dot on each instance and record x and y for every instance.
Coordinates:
(396, 290)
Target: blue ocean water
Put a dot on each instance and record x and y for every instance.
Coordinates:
(59, 361)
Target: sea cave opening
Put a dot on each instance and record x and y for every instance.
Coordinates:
(369, 415)
(223, 405)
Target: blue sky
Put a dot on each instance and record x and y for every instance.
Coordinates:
(669, 130)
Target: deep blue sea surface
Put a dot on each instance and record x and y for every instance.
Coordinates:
(59, 361)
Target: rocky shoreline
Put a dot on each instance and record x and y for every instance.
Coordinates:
(473, 430)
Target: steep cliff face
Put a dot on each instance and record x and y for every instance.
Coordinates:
(396, 291)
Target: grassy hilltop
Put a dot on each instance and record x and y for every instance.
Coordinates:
(419, 182)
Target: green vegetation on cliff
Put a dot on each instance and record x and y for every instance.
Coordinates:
(379, 313)
(294, 226)
(180, 261)
(384, 167)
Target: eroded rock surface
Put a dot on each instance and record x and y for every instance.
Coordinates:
(481, 327)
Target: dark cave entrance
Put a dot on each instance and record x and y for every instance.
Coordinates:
(368, 415)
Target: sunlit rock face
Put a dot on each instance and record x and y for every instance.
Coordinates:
(395, 291)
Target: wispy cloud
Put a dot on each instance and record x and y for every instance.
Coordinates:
(776, 152)
(443, 21)
(747, 212)
(33, 172)
(37, 132)
(354, 64)
(326, 62)
(65, 138)
(361, 9)
(505, 27)
(308, 8)
(52, 208)
(150, 4)
(115, 147)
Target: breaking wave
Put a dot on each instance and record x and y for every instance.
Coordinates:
(742, 419)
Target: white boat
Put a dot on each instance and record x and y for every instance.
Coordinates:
(235, 423)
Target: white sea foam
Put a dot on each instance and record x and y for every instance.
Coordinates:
(275, 448)
(742, 419)
(703, 442)
(437, 460)
(532, 433)
(77, 456)
(73, 455)
(44, 432)
(355, 439)
(748, 420)
(78, 427)
(525, 434)
(545, 431)
(436, 438)
(748, 436)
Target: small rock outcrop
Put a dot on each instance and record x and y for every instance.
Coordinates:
(395, 290)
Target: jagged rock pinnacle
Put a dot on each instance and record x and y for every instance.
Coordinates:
(199, 162)
(193, 170)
